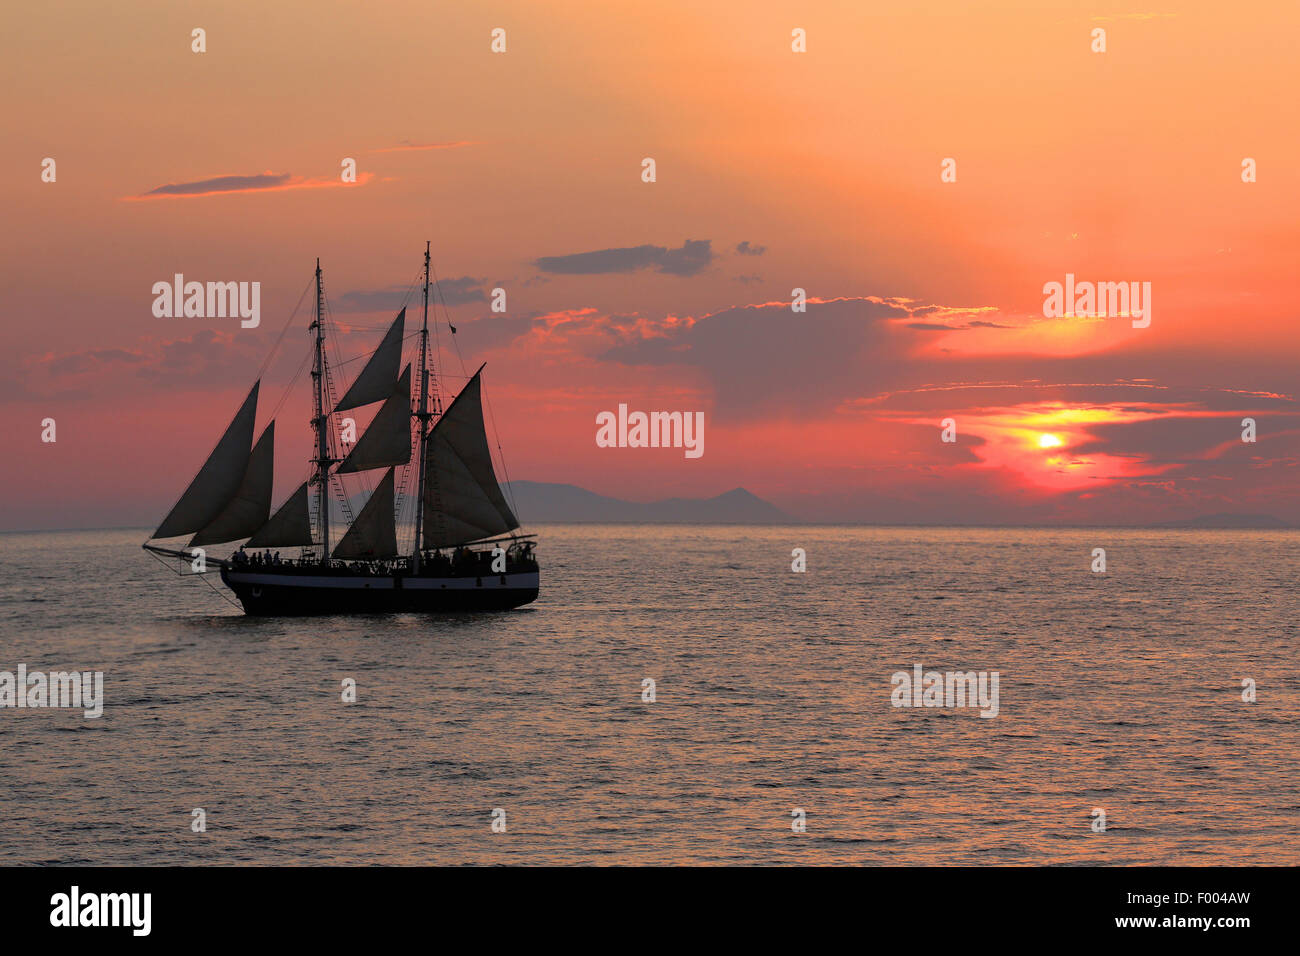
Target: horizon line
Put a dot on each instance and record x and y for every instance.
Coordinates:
(1166, 526)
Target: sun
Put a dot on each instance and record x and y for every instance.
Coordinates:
(1049, 441)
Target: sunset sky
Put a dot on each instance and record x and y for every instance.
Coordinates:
(775, 170)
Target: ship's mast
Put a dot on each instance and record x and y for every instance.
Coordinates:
(422, 416)
(320, 422)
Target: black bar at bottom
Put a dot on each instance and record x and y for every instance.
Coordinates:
(949, 906)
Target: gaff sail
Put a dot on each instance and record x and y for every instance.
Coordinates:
(289, 526)
(374, 383)
(374, 533)
(219, 480)
(462, 500)
(247, 510)
(388, 439)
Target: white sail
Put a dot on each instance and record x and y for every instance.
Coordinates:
(219, 479)
(374, 533)
(388, 439)
(375, 381)
(462, 500)
(289, 526)
(247, 510)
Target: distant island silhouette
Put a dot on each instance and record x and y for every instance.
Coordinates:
(564, 503)
(1227, 521)
(544, 501)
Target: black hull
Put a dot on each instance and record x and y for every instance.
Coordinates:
(280, 593)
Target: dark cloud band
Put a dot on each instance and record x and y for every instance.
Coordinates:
(693, 256)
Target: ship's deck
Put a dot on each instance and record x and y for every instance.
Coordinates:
(354, 569)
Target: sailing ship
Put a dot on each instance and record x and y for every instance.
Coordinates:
(468, 553)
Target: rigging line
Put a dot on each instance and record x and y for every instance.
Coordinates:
(406, 297)
(261, 371)
(288, 389)
(362, 477)
(221, 594)
(333, 480)
(492, 418)
(347, 326)
(411, 471)
(410, 290)
(404, 503)
(404, 497)
(341, 491)
(447, 318)
(356, 358)
(405, 338)
(267, 364)
(436, 367)
(165, 562)
(331, 339)
(181, 574)
(438, 338)
(514, 505)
